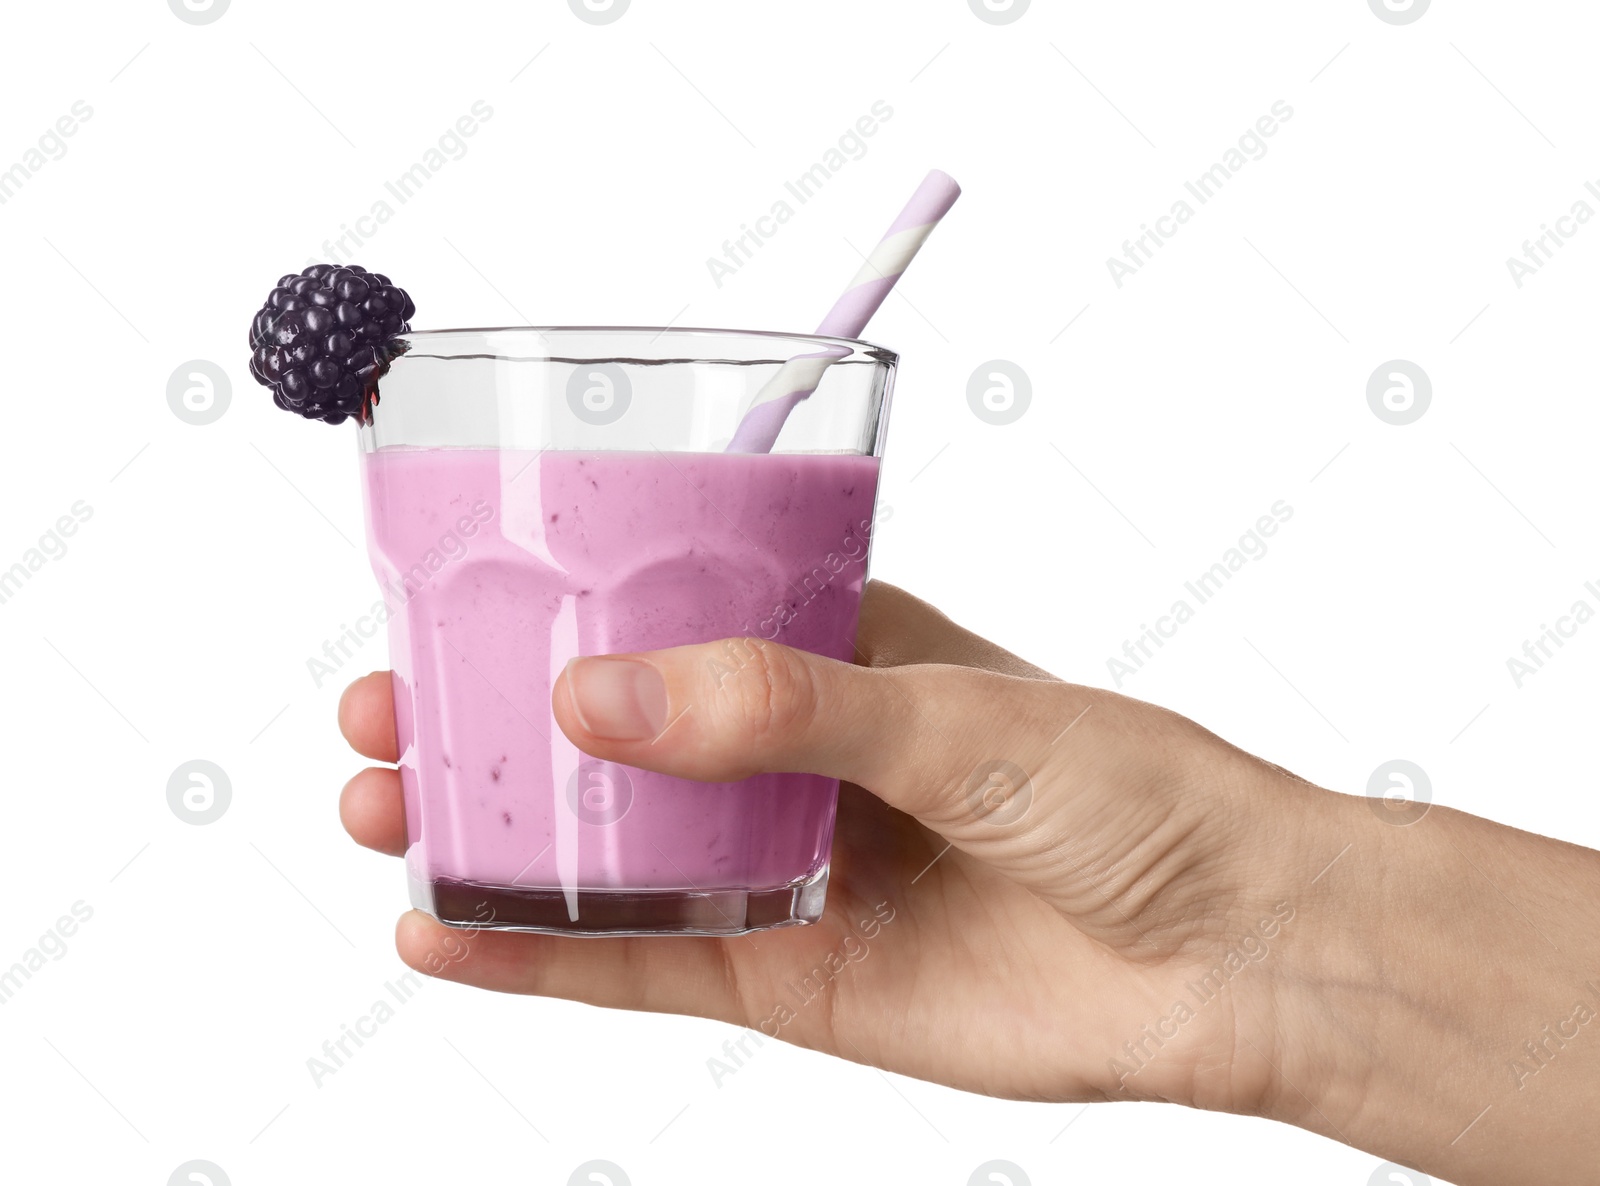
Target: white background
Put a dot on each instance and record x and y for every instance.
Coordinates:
(1229, 373)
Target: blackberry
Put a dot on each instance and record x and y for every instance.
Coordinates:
(325, 337)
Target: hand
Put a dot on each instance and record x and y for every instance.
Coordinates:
(1008, 950)
(1150, 913)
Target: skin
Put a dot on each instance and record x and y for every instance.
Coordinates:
(1158, 916)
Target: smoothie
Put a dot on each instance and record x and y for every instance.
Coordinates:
(500, 565)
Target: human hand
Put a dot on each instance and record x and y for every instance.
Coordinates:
(1006, 944)
(1138, 910)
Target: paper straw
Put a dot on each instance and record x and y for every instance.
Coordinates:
(848, 318)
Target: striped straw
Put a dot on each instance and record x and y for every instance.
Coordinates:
(848, 318)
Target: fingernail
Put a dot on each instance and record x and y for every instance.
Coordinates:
(618, 699)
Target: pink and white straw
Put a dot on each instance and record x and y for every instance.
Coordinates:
(848, 318)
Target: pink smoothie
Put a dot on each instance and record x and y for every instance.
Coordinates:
(501, 565)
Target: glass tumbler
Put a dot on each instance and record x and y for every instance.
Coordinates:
(536, 494)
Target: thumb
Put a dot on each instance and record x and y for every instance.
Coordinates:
(943, 743)
(1120, 814)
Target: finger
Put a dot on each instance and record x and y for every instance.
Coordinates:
(683, 975)
(898, 629)
(1091, 800)
(373, 811)
(723, 711)
(366, 717)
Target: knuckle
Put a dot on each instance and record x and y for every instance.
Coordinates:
(773, 696)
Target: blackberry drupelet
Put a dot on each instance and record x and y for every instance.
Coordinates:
(325, 337)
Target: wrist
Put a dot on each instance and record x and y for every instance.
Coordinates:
(1421, 959)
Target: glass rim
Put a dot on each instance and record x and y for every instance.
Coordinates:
(857, 349)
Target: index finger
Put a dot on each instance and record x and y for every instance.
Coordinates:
(899, 629)
(366, 717)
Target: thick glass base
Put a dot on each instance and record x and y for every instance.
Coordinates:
(473, 906)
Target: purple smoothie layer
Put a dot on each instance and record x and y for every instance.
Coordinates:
(501, 565)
